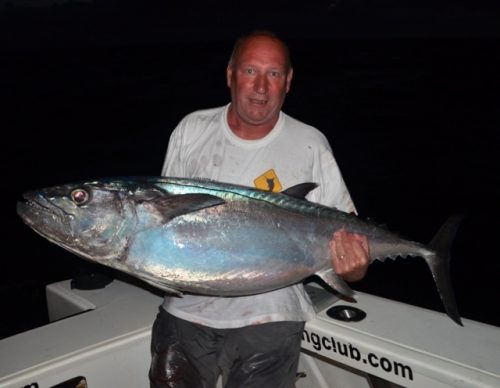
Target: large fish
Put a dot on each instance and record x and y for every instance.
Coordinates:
(213, 238)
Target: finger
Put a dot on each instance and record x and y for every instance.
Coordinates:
(362, 258)
(346, 246)
(337, 260)
(363, 240)
(339, 249)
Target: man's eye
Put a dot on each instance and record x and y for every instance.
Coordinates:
(250, 71)
(275, 74)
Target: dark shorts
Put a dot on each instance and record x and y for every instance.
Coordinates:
(189, 355)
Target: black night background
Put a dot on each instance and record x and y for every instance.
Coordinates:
(406, 92)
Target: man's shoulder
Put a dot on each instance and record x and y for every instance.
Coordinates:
(300, 129)
(205, 113)
(200, 121)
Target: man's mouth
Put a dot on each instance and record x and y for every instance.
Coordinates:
(258, 101)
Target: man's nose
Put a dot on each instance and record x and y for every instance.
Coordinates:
(261, 84)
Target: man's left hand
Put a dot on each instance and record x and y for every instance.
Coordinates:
(350, 255)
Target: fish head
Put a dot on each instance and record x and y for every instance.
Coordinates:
(90, 219)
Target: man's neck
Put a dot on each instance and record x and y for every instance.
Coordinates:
(248, 131)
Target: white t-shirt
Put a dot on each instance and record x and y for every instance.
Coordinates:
(203, 146)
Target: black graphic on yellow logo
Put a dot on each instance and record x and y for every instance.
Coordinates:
(268, 181)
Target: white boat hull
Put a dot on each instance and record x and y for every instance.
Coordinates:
(102, 337)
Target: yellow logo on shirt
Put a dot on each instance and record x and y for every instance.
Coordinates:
(268, 181)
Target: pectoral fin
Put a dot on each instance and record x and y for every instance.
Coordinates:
(171, 206)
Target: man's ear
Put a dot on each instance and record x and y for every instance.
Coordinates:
(289, 77)
(229, 75)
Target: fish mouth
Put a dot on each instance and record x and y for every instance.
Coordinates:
(35, 209)
(46, 219)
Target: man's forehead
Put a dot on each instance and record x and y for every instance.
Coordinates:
(262, 49)
(263, 43)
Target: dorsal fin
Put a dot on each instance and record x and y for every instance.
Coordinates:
(301, 190)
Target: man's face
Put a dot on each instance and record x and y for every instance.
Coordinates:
(259, 78)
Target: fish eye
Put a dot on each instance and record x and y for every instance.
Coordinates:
(80, 196)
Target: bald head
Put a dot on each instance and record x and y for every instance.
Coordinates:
(259, 36)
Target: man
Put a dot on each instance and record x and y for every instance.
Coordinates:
(254, 341)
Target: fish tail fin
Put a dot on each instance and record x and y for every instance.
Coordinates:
(336, 282)
(439, 264)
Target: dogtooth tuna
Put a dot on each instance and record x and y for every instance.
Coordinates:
(214, 238)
